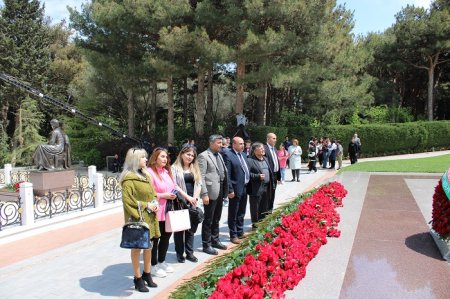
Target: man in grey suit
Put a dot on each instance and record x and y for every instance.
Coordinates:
(214, 189)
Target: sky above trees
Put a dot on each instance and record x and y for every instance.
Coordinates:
(370, 15)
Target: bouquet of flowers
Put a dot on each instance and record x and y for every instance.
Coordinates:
(13, 187)
(440, 220)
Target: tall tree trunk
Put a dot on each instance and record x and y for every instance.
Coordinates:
(153, 107)
(185, 102)
(430, 106)
(260, 116)
(210, 100)
(170, 116)
(270, 105)
(130, 107)
(200, 105)
(240, 73)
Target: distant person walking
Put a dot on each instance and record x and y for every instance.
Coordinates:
(353, 151)
(283, 157)
(295, 160)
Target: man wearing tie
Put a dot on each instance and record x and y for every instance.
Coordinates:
(238, 178)
(214, 189)
(274, 164)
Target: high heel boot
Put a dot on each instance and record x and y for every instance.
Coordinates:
(139, 285)
(147, 277)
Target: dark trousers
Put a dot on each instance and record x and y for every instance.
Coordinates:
(236, 212)
(210, 227)
(184, 240)
(160, 245)
(295, 173)
(353, 158)
(325, 159)
(259, 206)
(271, 195)
(312, 165)
(332, 162)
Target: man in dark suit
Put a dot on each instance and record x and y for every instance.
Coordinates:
(274, 164)
(261, 177)
(238, 177)
(214, 189)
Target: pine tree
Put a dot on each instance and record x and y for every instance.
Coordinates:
(24, 42)
(27, 132)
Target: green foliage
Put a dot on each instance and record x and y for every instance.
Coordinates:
(426, 165)
(382, 139)
(26, 136)
(4, 147)
(288, 118)
(258, 133)
(85, 138)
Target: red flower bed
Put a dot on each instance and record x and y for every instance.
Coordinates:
(441, 212)
(281, 259)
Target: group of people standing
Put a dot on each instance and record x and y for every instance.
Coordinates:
(229, 169)
(207, 179)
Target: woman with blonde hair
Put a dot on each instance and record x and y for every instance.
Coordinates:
(161, 176)
(188, 178)
(138, 193)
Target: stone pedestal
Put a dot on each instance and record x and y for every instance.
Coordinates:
(57, 180)
(9, 195)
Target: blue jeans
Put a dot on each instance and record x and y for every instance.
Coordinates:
(283, 173)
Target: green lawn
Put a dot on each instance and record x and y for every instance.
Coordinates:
(431, 165)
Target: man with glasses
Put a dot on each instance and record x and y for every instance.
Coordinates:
(214, 189)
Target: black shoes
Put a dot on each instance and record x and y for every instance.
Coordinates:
(210, 250)
(219, 245)
(147, 277)
(192, 258)
(180, 258)
(139, 285)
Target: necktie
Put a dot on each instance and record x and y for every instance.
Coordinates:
(244, 167)
(275, 159)
(221, 167)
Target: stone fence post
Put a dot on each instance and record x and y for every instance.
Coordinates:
(8, 170)
(27, 203)
(99, 190)
(92, 170)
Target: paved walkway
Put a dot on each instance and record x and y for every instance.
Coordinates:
(80, 258)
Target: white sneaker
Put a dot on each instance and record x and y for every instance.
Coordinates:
(165, 267)
(158, 272)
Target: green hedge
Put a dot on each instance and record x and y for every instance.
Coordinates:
(376, 139)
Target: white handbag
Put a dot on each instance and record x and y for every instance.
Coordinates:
(177, 220)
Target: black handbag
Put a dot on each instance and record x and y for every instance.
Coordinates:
(196, 214)
(136, 235)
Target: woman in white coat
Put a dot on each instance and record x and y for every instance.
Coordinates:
(295, 159)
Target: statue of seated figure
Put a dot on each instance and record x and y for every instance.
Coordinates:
(55, 154)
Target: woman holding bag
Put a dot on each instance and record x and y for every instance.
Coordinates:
(161, 177)
(138, 192)
(188, 178)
